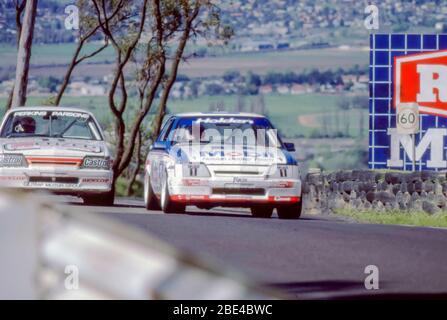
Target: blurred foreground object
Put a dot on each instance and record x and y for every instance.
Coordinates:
(53, 251)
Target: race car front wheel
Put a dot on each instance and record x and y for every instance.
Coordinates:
(261, 211)
(106, 199)
(150, 200)
(166, 204)
(290, 212)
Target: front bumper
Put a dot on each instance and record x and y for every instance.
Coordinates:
(79, 181)
(235, 191)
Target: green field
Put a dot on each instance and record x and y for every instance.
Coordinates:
(283, 110)
(47, 54)
(54, 56)
(280, 61)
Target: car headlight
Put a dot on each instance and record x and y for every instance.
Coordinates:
(195, 170)
(12, 160)
(96, 163)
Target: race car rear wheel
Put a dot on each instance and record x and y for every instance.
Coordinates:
(261, 211)
(291, 211)
(150, 200)
(106, 199)
(166, 204)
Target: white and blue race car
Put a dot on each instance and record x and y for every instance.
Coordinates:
(222, 159)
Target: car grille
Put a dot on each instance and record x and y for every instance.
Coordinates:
(245, 191)
(68, 180)
(54, 161)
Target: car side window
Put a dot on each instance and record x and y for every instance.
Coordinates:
(165, 131)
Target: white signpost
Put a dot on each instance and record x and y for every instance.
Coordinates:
(407, 122)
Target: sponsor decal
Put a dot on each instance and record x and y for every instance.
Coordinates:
(95, 180)
(52, 113)
(70, 114)
(81, 147)
(11, 160)
(30, 113)
(12, 178)
(21, 146)
(55, 185)
(195, 182)
(39, 144)
(224, 120)
(96, 162)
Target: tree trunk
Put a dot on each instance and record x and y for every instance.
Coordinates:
(24, 54)
(9, 101)
(134, 173)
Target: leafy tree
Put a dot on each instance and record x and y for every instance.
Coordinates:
(231, 75)
(50, 83)
(152, 44)
(214, 89)
(89, 28)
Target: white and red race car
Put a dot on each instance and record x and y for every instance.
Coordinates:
(216, 159)
(58, 149)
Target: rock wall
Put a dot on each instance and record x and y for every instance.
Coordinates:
(367, 189)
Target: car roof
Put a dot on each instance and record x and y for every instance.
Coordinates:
(214, 114)
(49, 108)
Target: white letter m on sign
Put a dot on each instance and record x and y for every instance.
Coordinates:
(433, 139)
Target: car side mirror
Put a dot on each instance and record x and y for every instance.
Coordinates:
(289, 146)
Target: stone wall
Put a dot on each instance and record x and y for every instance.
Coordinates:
(367, 189)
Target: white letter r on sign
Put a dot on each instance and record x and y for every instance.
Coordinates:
(431, 77)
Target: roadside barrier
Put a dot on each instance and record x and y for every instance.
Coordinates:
(54, 251)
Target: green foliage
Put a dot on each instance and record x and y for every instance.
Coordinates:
(327, 160)
(231, 75)
(49, 83)
(51, 101)
(314, 76)
(121, 185)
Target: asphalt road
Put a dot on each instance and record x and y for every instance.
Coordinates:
(314, 257)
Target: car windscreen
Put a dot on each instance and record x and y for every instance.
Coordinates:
(232, 130)
(51, 124)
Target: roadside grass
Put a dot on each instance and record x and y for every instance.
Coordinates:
(420, 219)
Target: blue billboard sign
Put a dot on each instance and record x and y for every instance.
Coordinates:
(408, 68)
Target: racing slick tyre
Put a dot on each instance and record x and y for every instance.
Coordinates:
(290, 212)
(261, 211)
(166, 204)
(150, 200)
(106, 199)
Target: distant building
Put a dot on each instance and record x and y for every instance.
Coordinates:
(85, 89)
(265, 89)
(300, 89)
(283, 89)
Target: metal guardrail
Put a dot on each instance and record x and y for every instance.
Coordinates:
(105, 259)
